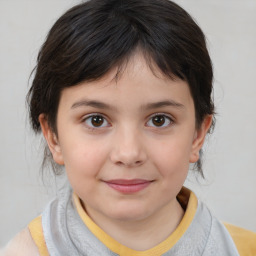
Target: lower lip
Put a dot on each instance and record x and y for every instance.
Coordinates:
(129, 188)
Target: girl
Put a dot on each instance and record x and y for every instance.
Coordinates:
(122, 94)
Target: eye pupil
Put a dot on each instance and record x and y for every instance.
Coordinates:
(158, 120)
(97, 121)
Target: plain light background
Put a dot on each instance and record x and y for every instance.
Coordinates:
(230, 153)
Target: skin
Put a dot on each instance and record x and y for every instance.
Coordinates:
(128, 143)
(22, 245)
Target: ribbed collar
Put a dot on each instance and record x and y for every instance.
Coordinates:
(186, 198)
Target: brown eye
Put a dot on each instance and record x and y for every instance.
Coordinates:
(96, 121)
(159, 121)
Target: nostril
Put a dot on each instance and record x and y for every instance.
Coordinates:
(136, 163)
(128, 156)
(119, 163)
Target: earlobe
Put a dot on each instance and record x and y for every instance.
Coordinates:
(199, 139)
(51, 139)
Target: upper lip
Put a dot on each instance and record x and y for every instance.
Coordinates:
(127, 181)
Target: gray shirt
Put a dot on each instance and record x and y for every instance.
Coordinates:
(66, 234)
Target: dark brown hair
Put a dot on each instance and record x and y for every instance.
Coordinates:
(97, 35)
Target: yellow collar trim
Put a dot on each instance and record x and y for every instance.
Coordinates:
(163, 247)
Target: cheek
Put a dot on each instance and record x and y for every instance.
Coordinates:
(83, 161)
(172, 157)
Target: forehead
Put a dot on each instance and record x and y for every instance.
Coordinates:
(135, 83)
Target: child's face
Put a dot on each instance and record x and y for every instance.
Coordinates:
(127, 145)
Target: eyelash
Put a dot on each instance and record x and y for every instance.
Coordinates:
(166, 117)
(107, 124)
(94, 115)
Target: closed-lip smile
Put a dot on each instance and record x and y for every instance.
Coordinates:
(127, 186)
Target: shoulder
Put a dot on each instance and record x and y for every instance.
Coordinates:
(21, 244)
(244, 240)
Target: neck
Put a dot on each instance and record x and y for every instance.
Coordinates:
(142, 234)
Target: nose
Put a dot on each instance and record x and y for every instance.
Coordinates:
(128, 149)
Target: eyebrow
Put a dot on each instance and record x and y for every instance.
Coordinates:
(149, 106)
(165, 103)
(91, 103)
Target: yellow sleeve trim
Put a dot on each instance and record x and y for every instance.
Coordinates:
(244, 240)
(160, 249)
(36, 231)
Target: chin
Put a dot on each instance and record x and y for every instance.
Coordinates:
(129, 214)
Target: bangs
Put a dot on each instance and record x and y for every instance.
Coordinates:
(98, 41)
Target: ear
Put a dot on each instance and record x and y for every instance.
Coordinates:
(51, 139)
(199, 138)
